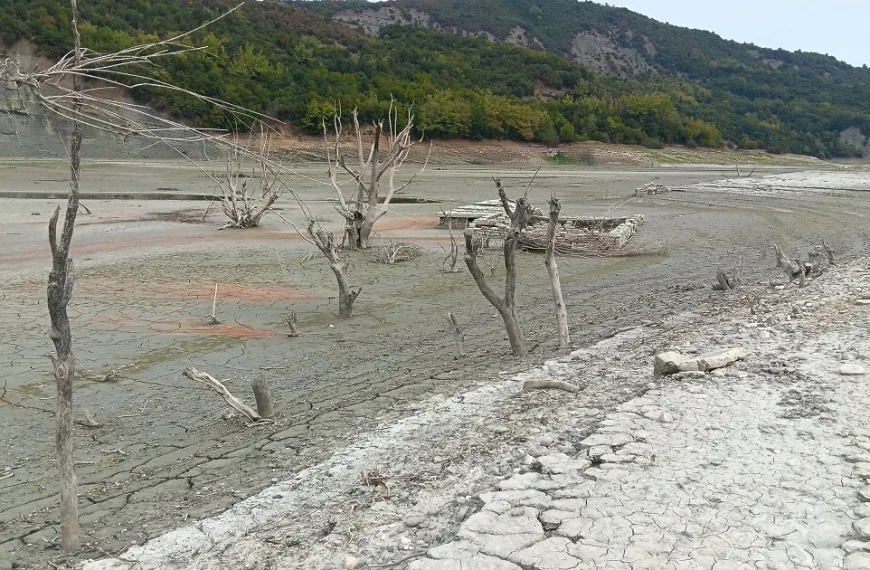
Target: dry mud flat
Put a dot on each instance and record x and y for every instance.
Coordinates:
(166, 454)
(760, 465)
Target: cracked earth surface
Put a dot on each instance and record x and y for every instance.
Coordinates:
(165, 455)
(760, 465)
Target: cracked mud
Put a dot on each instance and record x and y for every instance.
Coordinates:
(166, 455)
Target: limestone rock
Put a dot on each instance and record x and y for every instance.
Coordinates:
(673, 362)
(862, 528)
(852, 369)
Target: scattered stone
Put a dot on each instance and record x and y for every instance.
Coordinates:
(673, 362)
(862, 301)
(351, 562)
(414, 521)
(851, 369)
(862, 528)
(608, 438)
(597, 451)
(668, 363)
(658, 416)
(551, 463)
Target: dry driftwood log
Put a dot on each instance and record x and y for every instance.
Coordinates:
(550, 385)
(553, 272)
(217, 386)
(506, 306)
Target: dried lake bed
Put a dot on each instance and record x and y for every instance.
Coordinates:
(146, 272)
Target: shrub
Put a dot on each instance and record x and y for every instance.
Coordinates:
(653, 143)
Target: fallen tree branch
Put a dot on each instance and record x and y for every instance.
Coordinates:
(211, 381)
(550, 385)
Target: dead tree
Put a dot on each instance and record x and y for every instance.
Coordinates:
(293, 323)
(792, 269)
(365, 206)
(325, 242)
(829, 253)
(458, 337)
(728, 280)
(450, 260)
(397, 252)
(60, 90)
(553, 272)
(519, 215)
(244, 206)
(61, 280)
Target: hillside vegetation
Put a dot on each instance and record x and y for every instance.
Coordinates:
(297, 65)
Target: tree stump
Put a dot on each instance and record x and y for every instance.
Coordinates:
(263, 395)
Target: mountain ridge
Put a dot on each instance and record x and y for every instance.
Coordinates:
(546, 28)
(295, 63)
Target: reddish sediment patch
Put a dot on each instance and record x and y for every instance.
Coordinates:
(250, 292)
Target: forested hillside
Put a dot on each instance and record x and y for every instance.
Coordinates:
(296, 65)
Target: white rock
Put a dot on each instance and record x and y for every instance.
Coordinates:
(609, 438)
(852, 369)
(862, 528)
(864, 493)
(856, 545)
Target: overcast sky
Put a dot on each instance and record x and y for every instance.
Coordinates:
(836, 27)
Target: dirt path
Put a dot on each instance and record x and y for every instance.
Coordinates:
(166, 454)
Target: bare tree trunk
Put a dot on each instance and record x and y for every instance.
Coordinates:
(506, 307)
(553, 271)
(829, 253)
(458, 337)
(325, 242)
(61, 281)
(263, 396)
(792, 269)
(346, 295)
(292, 322)
(452, 256)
